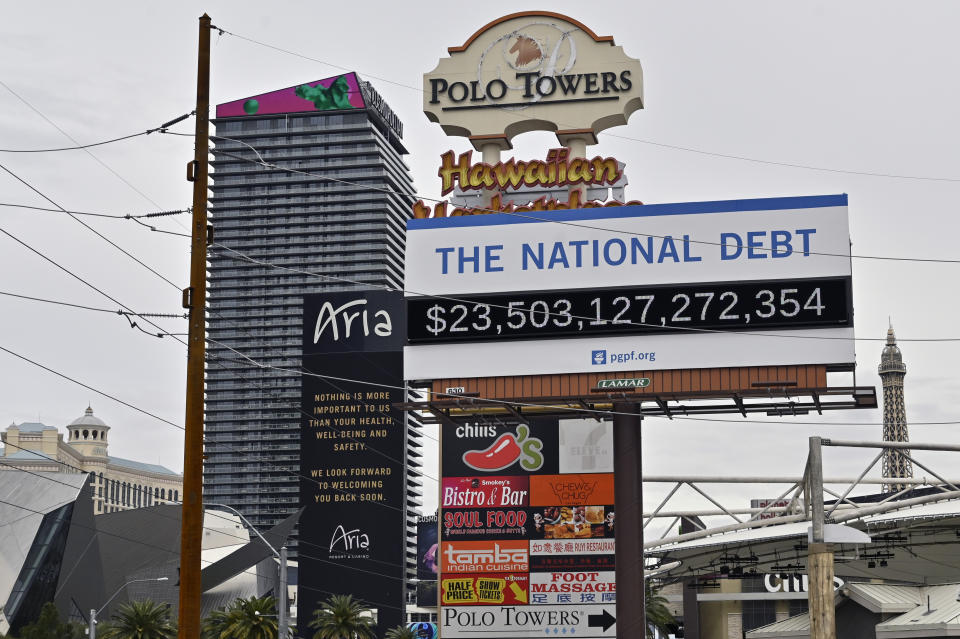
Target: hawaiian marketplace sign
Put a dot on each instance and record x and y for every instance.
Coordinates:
(533, 71)
(506, 178)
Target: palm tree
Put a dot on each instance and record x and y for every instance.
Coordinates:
(253, 618)
(342, 617)
(49, 626)
(214, 625)
(140, 620)
(659, 618)
(400, 632)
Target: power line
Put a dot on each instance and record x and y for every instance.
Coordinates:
(250, 360)
(728, 156)
(92, 308)
(136, 488)
(90, 153)
(569, 408)
(293, 371)
(534, 218)
(177, 426)
(90, 388)
(128, 216)
(247, 258)
(90, 228)
(305, 57)
(83, 146)
(88, 284)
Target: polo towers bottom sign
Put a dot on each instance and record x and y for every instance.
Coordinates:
(529, 621)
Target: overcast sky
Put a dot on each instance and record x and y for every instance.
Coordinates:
(864, 87)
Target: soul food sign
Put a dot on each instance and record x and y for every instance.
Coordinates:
(530, 71)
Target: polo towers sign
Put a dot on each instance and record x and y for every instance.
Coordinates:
(533, 71)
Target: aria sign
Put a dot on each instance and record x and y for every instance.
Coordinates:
(531, 71)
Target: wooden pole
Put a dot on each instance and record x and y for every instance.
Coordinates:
(195, 299)
(820, 569)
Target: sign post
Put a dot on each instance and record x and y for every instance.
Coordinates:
(532, 311)
(628, 468)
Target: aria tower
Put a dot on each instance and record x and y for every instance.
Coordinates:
(896, 462)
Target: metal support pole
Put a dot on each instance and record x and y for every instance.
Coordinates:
(282, 612)
(195, 299)
(815, 479)
(92, 632)
(819, 554)
(628, 495)
(691, 609)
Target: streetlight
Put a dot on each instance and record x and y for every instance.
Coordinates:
(92, 628)
(281, 556)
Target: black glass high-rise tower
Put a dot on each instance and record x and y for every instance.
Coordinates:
(309, 194)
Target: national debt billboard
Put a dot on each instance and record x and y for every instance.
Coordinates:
(652, 287)
(352, 447)
(527, 511)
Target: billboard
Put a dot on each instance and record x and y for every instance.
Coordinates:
(504, 449)
(775, 505)
(338, 92)
(541, 536)
(469, 622)
(715, 276)
(427, 548)
(352, 447)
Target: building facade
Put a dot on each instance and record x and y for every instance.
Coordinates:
(118, 483)
(310, 194)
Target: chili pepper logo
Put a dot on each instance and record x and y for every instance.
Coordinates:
(506, 451)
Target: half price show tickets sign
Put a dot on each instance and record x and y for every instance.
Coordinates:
(526, 550)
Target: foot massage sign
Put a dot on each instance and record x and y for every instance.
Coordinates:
(527, 524)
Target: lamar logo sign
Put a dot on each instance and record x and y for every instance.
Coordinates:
(529, 71)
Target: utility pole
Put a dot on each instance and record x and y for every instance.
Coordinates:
(628, 532)
(92, 628)
(282, 631)
(819, 554)
(195, 299)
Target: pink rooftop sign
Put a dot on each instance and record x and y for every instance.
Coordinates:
(338, 92)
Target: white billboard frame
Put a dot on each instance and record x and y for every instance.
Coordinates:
(766, 239)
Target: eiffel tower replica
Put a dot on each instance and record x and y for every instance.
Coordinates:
(896, 462)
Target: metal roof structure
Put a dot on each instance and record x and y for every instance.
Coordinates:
(141, 466)
(26, 455)
(884, 598)
(796, 627)
(905, 547)
(32, 427)
(926, 611)
(939, 618)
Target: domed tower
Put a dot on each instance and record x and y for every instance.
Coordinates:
(88, 435)
(892, 371)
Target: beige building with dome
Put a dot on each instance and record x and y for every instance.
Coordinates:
(118, 484)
